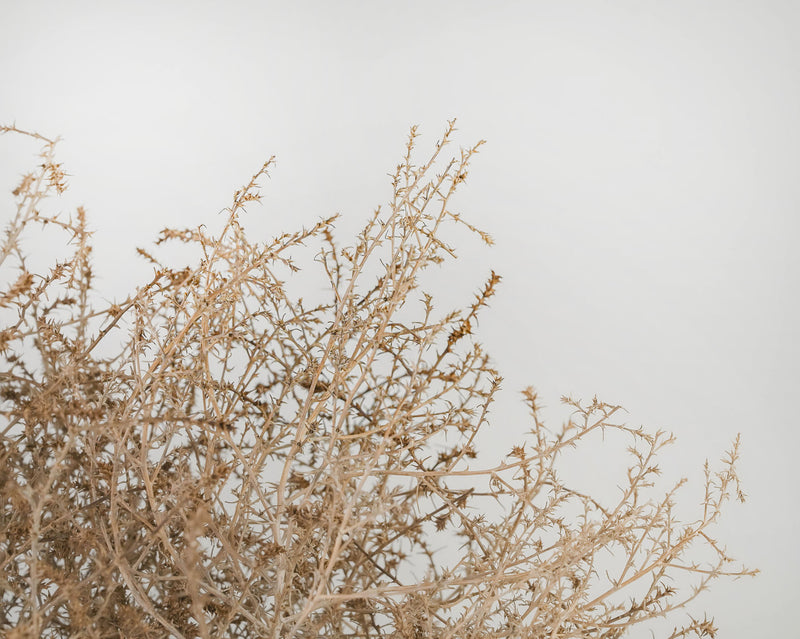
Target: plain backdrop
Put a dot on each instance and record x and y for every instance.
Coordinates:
(640, 181)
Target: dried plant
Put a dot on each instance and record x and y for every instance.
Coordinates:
(214, 457)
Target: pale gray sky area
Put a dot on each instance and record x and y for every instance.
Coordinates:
(640, 180)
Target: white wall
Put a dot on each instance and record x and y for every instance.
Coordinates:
(640, 180)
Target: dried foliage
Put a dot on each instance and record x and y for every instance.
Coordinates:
(213, 457)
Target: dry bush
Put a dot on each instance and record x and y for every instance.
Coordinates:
(213, 457)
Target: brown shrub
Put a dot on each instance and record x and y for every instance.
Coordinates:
(213, 457)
